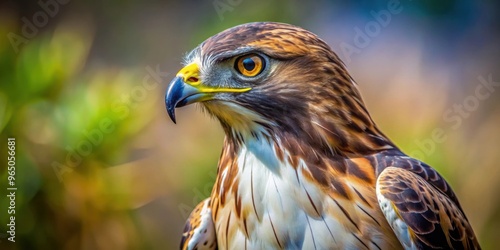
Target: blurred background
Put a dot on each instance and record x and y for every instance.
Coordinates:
(100, 166)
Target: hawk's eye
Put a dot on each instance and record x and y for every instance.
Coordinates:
(250, 65)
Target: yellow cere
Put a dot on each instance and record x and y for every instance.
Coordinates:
(191, 75)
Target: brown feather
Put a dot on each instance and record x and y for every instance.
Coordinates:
(310, 112)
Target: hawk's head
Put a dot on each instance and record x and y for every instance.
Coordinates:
(276, 80)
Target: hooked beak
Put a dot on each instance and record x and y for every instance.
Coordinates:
(186, 88)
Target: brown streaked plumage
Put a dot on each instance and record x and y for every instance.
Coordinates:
(199, 232)
(303, 165)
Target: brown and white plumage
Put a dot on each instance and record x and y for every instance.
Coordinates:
(199, 231)
(303, 165)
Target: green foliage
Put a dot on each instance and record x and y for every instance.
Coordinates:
(69, 124)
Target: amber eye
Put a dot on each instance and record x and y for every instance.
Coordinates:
(250, 65)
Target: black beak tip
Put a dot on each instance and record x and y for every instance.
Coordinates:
(171, 114)
(173, 96)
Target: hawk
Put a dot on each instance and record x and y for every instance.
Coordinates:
(303, 165)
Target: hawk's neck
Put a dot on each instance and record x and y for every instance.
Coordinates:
(260, 175)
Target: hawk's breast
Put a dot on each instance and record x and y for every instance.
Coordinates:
(263, 201)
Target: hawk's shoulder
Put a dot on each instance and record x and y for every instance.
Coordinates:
(420, 206)
(199, 231)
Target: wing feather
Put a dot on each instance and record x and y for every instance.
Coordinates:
(421, 215)
(199, 231)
